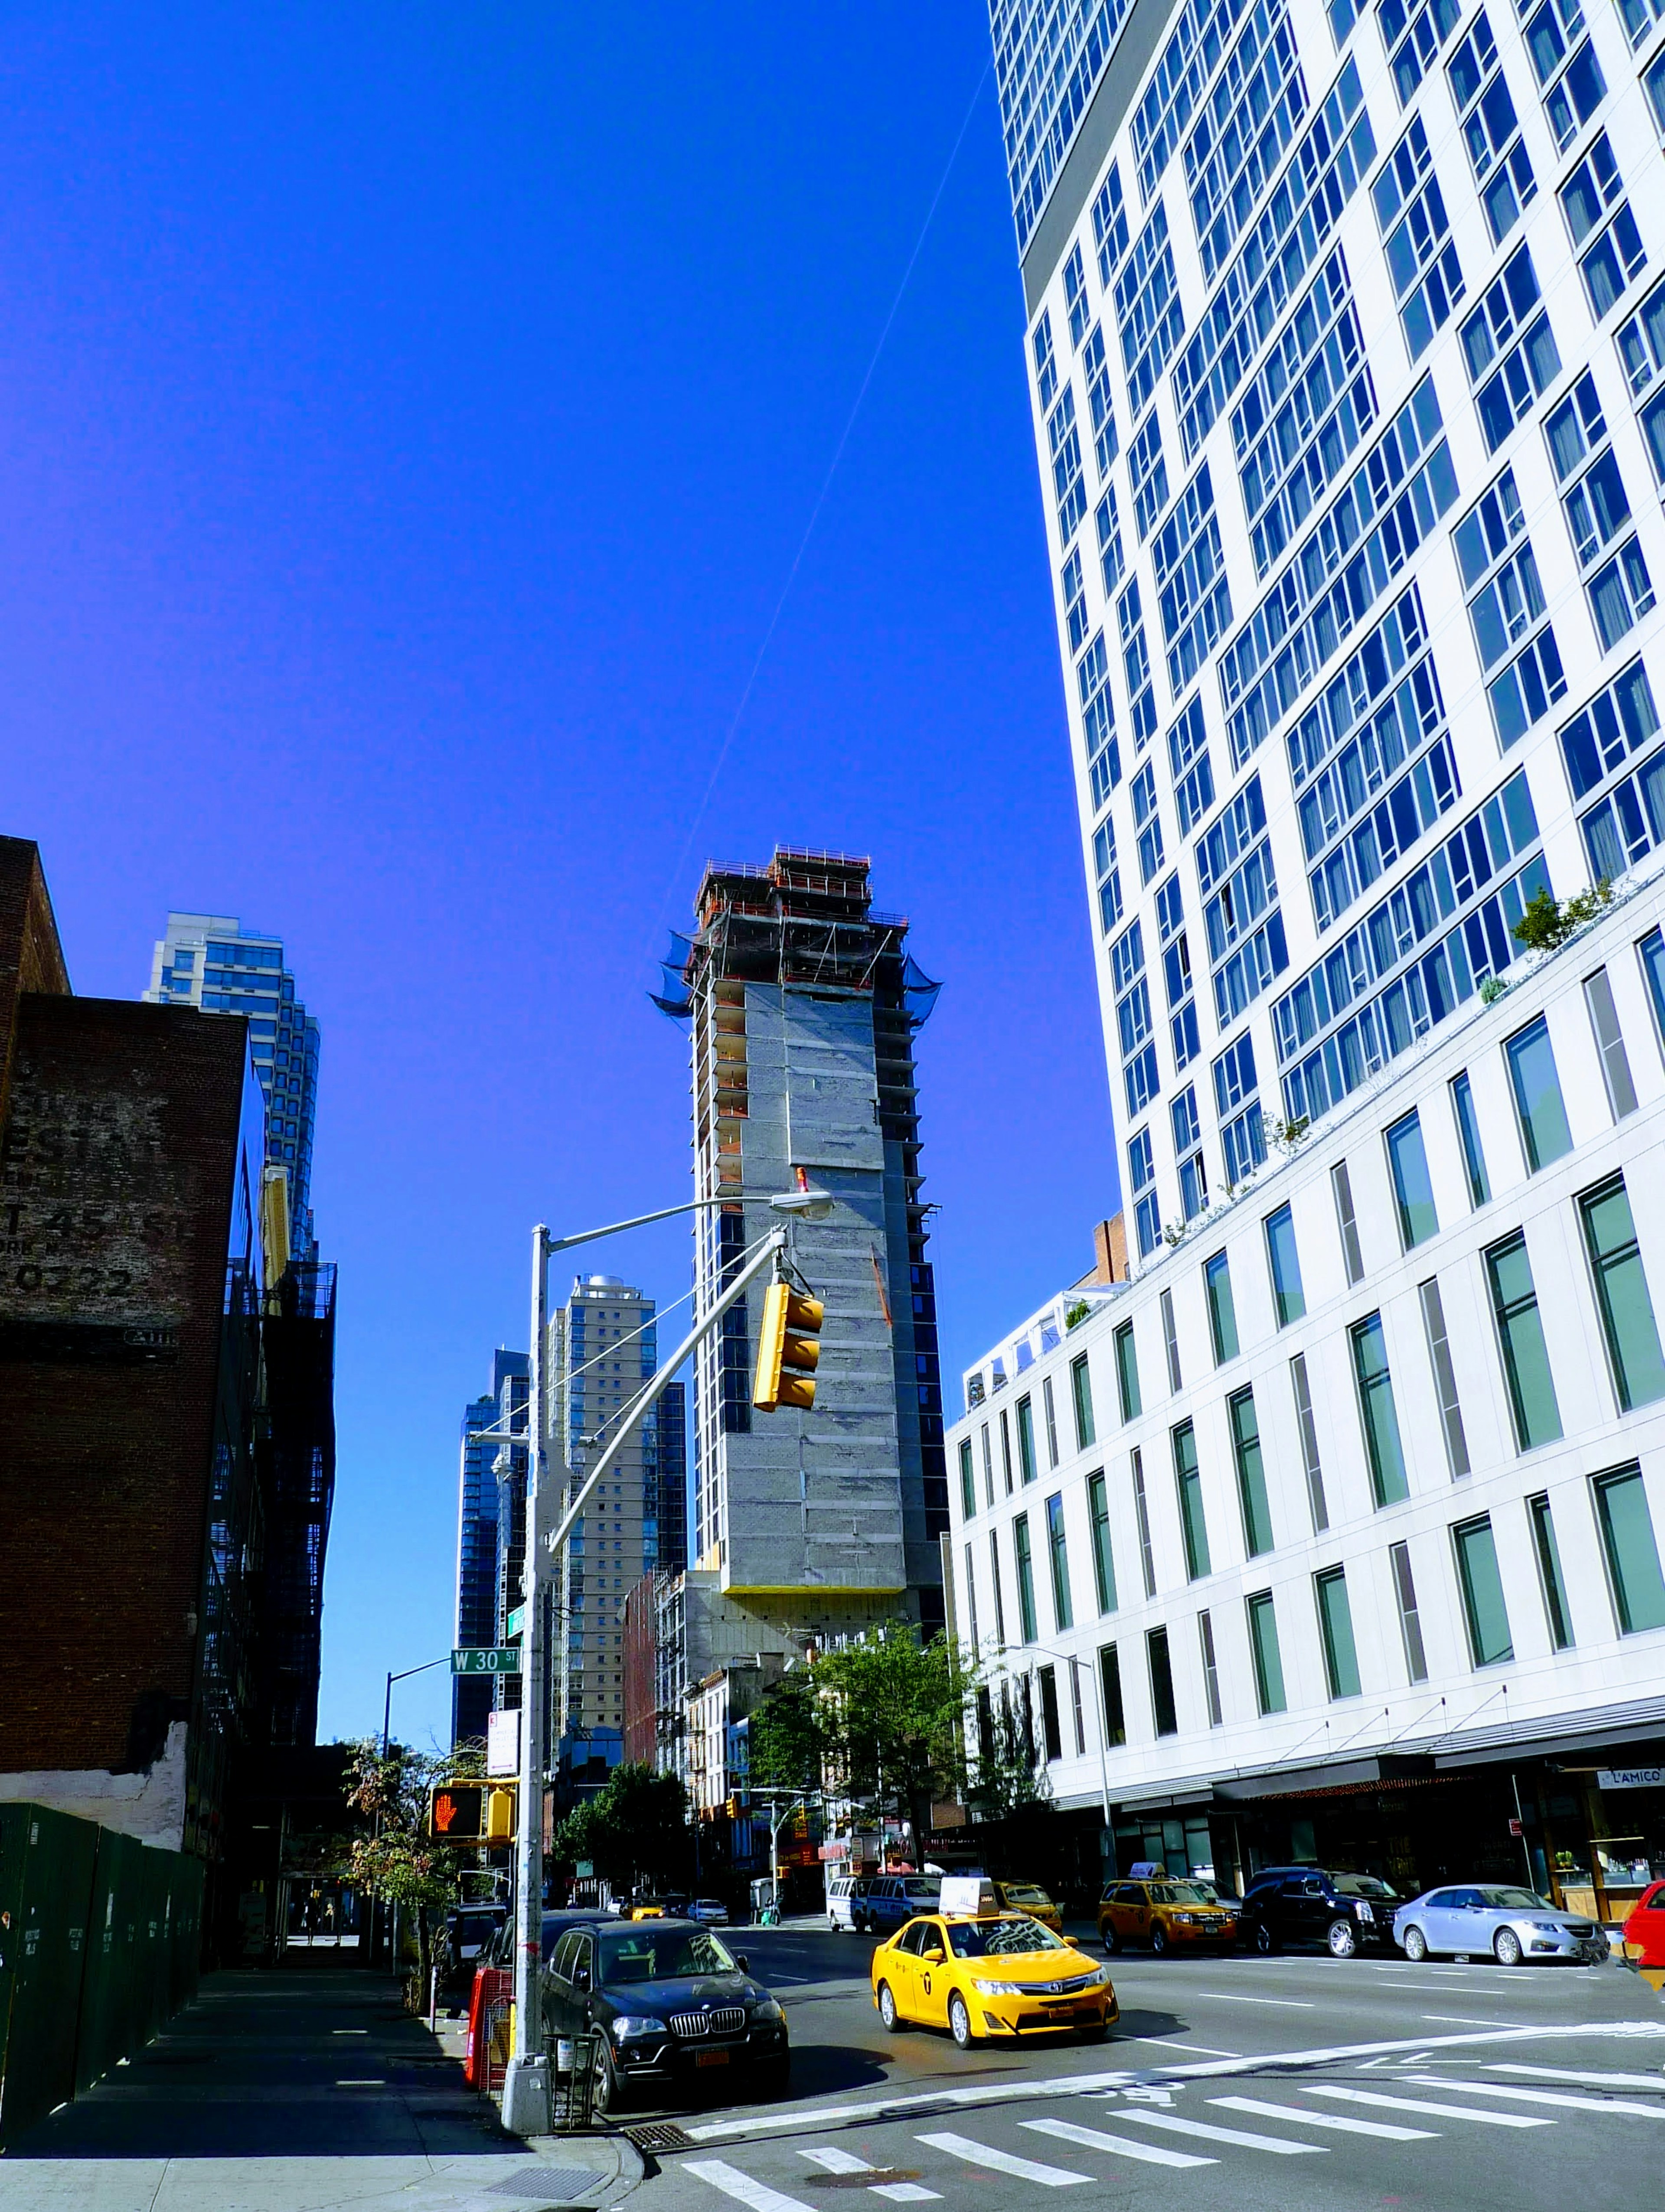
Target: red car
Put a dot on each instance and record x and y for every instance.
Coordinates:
(1644, 1934)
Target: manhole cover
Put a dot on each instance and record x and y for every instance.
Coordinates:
(547, 2183)
(660, 2135)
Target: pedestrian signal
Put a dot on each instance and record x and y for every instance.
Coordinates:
(786, 1350)
(472, 1812)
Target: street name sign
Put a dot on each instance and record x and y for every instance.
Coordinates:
(504, 1659)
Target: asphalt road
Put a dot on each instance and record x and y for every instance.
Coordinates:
(1290, 2082)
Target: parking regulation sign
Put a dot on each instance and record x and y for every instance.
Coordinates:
(503, 1659)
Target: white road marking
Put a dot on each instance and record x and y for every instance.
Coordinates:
(1175, 2126)
(1543, 2096)
(1002, 2161)
(834, 2161)
(1285, 2004)
(740, 2187)
(1172, 2043)
(1460, 2020)
(1338, 2122)
(1421, 2104)
(905, 2192)
(1122, 2146)
(1572, 2074)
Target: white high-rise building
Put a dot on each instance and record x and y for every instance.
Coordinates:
(1346, 349)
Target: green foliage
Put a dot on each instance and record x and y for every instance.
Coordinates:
(1075, 1313)
(1493, 988)
(1007, 1784)
(787, 1735)
(636, 1828)
(399, 1861)
(1549, 921)
(893, 1714)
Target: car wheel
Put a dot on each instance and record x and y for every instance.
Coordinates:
(888, 2012)
(832, 1925)
(960, 2026)
(1506, 1947)
(609, 2090)
(1159, 1939)
(1111, 1941)
(1415, 1946)
(1265, 1941)
(1343, 1940)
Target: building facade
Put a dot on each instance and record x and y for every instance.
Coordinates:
(478, 1575)
(211, 962)
(1344, 335)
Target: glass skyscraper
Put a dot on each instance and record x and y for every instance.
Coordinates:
(211, 962)
(478, 1577)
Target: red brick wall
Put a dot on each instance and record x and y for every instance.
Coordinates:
(639, 1621)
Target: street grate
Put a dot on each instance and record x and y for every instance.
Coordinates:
(547, 2183)
(660, 2135)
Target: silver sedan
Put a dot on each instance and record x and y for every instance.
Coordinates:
(1511, 1923)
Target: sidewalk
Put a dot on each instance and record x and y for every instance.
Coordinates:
(298, 2091)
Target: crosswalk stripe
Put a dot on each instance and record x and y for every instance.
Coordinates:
(832, 2159)
(1422, 2105)
(1547, 2097)
(1174, 2126)
(1096, 2139)
(905, 2192)
(1338, 2122)
(1573, 2074)
(1002, 2161)
(740, 2187)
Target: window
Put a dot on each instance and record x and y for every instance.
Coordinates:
(1503, 172)
(1610, 1044)
(1545, 1135)
(1621, 1295)
(1641, 344)
(1221, 1315)
(971, 1600)
(1251, 1474)
(1551, 1581)
(1413, 1191)
(1096, 369)
(1482, 1586)
(1057, 1552)
(1308, 1428)
(1171, 1338)
(1335, 1621)
(1594, 195)
(1632, 1556)
(968, 1483)
(1568, 74)
(1376, 1412)
(1268, 1664)
(1192, 1521)
(1069, 478)
(1026, 1439)
(1289, 1303)
(1104, 1564)
(1598, 514)
(1410, 1623)
(1006, 1450)
(1520, 1339)
(1468, 1133)
(1162, 1684)
(1115, 1720)
(1051, 1735)
(1509, 350)
(1081, 1391)
(1210, 1670)
(1051, 1421)
(1075, 1708)
(1445, 1378)
(1127, 1372)
(988, 1467)
(1142, 1522)
(1413, 35)
(1026, 1579)
(1352, 1258)
(1188, 1125)
(999, 1600)
(1422, 260)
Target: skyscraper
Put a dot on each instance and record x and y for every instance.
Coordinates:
(803, 1004)
(478, 1624)
(211, 962)
(1346, 339)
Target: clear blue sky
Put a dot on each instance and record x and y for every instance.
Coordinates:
(408, 418)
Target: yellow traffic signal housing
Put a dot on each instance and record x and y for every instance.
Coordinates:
(786, 1350)
(472, 1813)
(500, 1808)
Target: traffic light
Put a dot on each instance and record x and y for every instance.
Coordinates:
(500, 1808)
(469, 1812)
(786, 1350)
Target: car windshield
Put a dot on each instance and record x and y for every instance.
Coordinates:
(1363, 1885)
(1026, 1892)
(651, 1954)
(1514, 1901)
(992, 1939)
(1181, 1893)
(920, 1885)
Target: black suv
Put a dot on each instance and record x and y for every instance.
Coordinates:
(1306, 1905)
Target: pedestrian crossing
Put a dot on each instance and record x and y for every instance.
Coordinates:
(1144, 2126)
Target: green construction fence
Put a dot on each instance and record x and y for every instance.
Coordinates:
(100, 1938)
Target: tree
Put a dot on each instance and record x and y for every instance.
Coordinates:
(893, 1716)
(1549, 921)
(637, 1825)
(399, 1862)
(788, 1734)
(1008, 1782)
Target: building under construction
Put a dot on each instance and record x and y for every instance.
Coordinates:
(803, 1003)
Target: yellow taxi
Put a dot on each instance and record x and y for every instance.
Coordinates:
(1029, 1897)
(1166, 1915)
(986, 1974)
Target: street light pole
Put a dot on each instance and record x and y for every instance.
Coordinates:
(1070, 1660)
(403, 1675)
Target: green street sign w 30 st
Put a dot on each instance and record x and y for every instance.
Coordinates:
(505, 1659)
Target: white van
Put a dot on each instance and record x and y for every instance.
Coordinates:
(844, 1895)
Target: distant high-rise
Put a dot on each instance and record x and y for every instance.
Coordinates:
(211, 962)
(476, 1540)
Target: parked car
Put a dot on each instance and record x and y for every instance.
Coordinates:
(1309, 1905)
(671, 2005)
(494, 1981)
(710, 1912)
(844, 1894)
(1644, 1934)
(982, 1975)
(468, 1934)
(1511, 1922)
(892, 1900)
(1165, 1914)
(1029, 1897)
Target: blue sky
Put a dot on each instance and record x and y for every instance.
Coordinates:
(408, 420)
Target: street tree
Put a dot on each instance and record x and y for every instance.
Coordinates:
(635, 1828)
(398, 1861)
(892, 1712)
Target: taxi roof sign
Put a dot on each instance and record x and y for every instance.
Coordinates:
(969, 1894)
